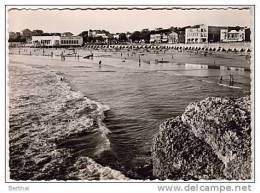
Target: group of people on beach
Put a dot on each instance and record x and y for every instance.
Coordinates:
(231, 80)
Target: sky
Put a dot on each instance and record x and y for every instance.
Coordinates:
(124, 20)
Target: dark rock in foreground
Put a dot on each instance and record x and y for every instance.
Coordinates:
(211, 140)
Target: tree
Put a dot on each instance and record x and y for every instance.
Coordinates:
(145, 35)
(99, 39)
(122, 37)
(136, 36)
(84, 35)
(37, 32)
(27, 34)
(67, 34)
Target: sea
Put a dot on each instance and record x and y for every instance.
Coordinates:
(104, 108)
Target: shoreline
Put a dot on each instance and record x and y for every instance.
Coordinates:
(125, 173)
(47, 157)
(212, 59)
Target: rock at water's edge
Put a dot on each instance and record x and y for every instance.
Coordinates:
(211, 140)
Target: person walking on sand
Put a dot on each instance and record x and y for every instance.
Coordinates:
(220, 80)
(231, 79)
(99, 63)
(139, 61)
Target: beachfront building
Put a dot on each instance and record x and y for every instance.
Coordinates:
(99, 36)
(116, 36)
(214, 33)
(173, 38)
(71, 41)
(128, 34)
(233, 35)
(196, 34)
(160, 35)
(45, 41)
(56, 41)
(155, 38)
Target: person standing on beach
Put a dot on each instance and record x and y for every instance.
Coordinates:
(139, 61)
(99, 63)
(231, 79)
(220, 80)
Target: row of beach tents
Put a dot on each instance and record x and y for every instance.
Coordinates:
(180, 48)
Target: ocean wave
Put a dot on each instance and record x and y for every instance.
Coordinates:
(44, 114)
(97, 115)
(229, 86)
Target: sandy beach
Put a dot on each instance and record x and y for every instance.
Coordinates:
(148, 55)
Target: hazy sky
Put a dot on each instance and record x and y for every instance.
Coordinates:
(122, 20)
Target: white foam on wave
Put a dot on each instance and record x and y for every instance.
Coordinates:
(104, 131)
(207, 81)
(229, 86)
(105, 144)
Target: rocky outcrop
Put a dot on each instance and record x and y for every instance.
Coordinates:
(211, 140)
(86, 168)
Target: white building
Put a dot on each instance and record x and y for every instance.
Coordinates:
(232, 35)
(173, 38)
(48, 41)
(116, 36)
(155, 38)
(56, 41)
(196, 34)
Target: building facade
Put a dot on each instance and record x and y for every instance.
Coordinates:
(196, 34)
(45, 41)
(155, 38)
(173, 38)
(56, 41)
(233, 35)
(71, 41)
